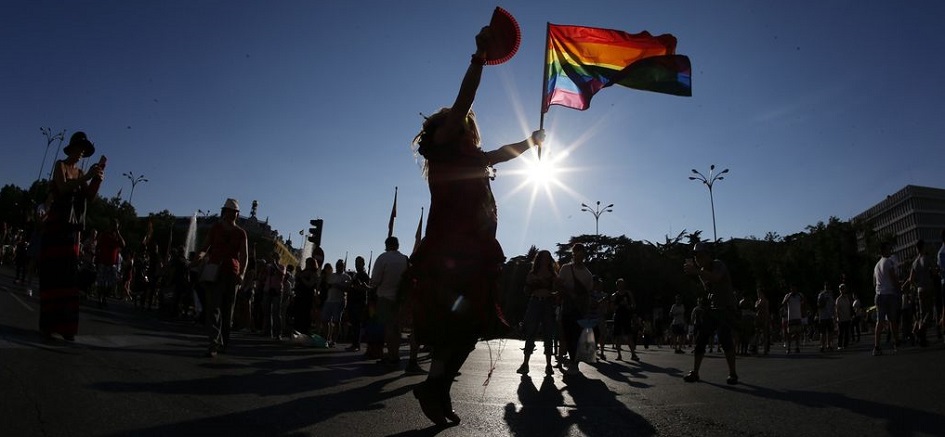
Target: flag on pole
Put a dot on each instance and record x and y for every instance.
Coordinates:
(393, 215)
(419, 234)
(580, 61)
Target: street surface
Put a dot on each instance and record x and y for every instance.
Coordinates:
(131, 373)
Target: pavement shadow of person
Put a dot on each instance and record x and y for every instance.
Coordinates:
(539, 414)
(285, 418)
(899, 420)
(597, 412)
(633, 374)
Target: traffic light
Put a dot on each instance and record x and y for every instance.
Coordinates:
(315, 232)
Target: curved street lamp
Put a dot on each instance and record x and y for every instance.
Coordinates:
(135, 180)
(708, 182)
(50, 137)
(596, 212)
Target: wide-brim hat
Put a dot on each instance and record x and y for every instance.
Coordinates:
(79, 139)
(232, 204)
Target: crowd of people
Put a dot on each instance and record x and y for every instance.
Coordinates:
(446, 292)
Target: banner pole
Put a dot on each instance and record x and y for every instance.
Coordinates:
(544, 81)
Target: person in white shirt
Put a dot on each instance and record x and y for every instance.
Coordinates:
(385, 276)
(678, 326)
(887, 297)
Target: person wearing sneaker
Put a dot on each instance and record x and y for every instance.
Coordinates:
(886, 282)
(720, 316)
(540, 312)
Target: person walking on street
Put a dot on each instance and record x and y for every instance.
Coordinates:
(226, 252)
(920, 276)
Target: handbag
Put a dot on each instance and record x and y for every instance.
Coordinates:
(587, 346)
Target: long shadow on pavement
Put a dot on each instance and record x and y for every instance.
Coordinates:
(596, 412)
(900, 421)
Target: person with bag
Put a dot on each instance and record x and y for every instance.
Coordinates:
(69, 192)
(226, 254)
(574, 283)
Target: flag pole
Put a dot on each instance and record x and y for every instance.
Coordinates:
(544, 82)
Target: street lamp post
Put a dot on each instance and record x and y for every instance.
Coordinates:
(134, 181)
(50, 137)
(596, 212)
(708, 182)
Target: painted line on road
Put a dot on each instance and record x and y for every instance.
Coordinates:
(25, 305)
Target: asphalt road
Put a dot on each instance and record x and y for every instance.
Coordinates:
(132, 373)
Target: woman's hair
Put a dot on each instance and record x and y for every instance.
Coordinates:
(552, 265)
(424, 144)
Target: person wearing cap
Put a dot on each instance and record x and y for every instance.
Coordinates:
(720, 317)
(226, 248)
(69, 192)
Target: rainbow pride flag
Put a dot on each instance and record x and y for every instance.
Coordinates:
(580, 61)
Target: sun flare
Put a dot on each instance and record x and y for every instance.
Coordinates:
(541, 173)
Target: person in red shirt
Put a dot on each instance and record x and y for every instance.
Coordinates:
(110, 243)
(226, 253)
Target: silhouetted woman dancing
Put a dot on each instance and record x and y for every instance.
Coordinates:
(456, 268)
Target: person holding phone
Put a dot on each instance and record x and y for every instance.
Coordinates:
(70, 190)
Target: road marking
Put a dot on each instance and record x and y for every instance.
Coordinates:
(25, 305)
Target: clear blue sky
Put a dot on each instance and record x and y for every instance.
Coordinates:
(818, 108)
